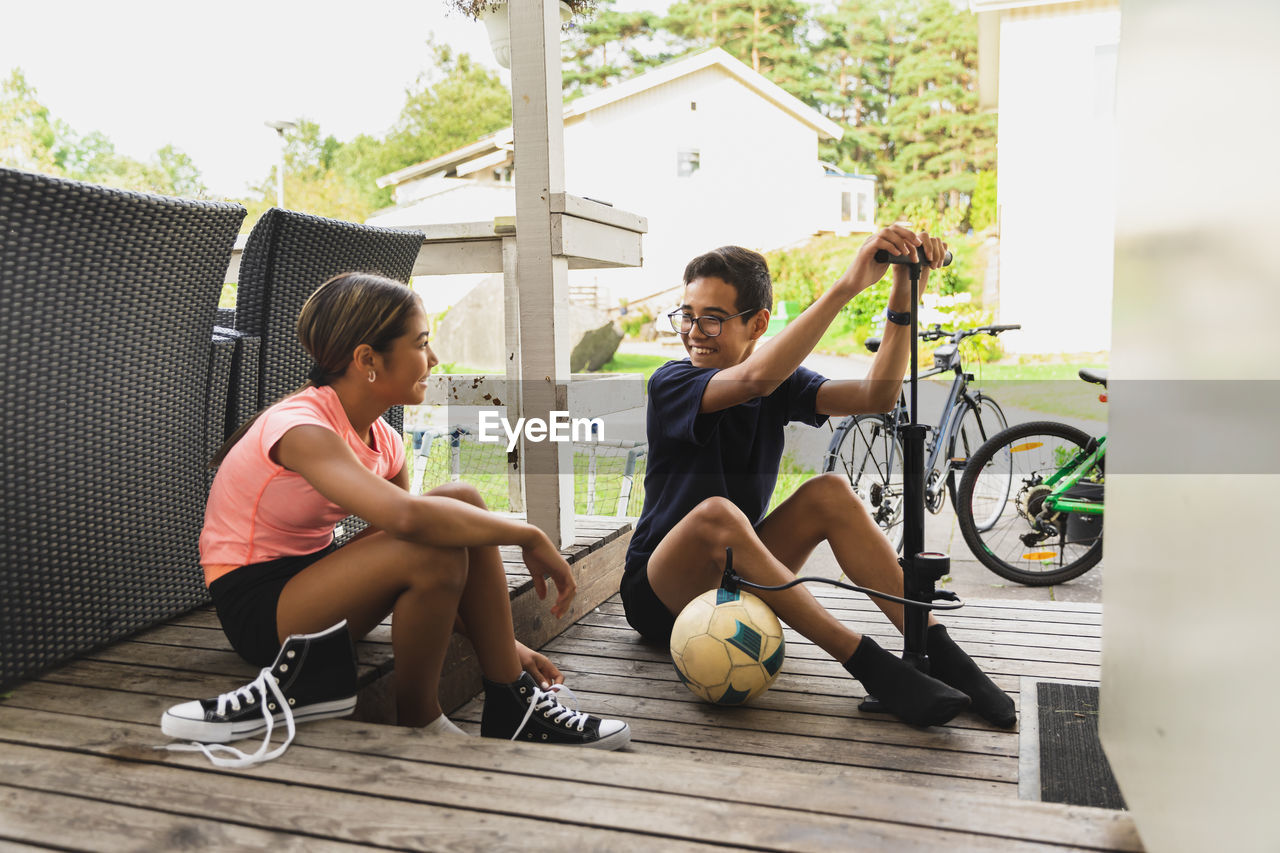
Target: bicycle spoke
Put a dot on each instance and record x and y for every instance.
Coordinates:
(1008, 484)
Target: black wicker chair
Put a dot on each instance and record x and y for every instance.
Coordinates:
(287, 256)
(109, 299)
(242, 396)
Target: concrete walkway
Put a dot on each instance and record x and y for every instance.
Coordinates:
(969, 578)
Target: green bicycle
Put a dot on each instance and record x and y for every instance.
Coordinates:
(1042, 483)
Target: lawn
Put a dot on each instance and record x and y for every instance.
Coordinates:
(623, 362)
(1052, 388)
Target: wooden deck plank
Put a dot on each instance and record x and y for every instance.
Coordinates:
(800, 649)
(35, 816)
(872, 621)
(794, 811)
(477, 790)
(978, 642)
(246, 804)
(886, 744)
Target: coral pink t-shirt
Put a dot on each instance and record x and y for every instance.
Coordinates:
(259, 510)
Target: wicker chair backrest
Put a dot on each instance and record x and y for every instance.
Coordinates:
(287, 256)
(109, 301)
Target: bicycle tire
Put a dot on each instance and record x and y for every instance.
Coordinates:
(981, 420)
(1027, 463)
(861, 450)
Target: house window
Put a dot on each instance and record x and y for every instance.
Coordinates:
(846, 206)
(687, 162)
(864, 207)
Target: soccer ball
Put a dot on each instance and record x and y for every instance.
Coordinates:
(727, 646)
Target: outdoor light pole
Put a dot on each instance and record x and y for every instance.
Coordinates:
(280, 127)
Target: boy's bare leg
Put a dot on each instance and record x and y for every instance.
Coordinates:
(825, 508)
(690, 561)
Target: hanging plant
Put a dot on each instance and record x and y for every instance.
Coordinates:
(494, 13)
(476, 9)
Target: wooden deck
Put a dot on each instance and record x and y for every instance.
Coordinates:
(801, 769)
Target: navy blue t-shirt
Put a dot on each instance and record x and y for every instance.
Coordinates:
(733, 453)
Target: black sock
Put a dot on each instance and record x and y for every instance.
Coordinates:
(905, 691)
(949, 664)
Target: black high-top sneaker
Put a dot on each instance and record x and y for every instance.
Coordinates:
(522, 711)
(313, 677)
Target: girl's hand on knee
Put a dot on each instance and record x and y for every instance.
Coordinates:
(539, 666)
(544, 561)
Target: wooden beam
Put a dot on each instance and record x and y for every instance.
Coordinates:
(603, 245)
(588, 395)
(537, 106)
(512, 396)
(585, 208)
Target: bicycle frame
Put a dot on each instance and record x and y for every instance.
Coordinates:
(944, 432)
(1068, 475)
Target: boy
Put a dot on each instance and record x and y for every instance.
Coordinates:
(715, 428)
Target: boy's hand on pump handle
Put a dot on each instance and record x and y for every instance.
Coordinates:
(896, 239)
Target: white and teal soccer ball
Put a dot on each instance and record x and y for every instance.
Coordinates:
(727, 646)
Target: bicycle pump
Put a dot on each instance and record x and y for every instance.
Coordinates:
(921, 570)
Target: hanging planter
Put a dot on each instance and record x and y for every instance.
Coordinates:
(496, 18)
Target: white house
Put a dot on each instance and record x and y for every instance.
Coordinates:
(1051, 69)
(710, 151)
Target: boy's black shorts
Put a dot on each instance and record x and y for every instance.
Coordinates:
(645, 611)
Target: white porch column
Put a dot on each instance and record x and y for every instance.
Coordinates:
(537, 119)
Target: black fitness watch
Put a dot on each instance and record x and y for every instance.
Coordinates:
(898, 318)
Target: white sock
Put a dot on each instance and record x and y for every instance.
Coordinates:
(442, 725)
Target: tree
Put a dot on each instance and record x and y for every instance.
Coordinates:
(764, 34)
(32, 139)
(940, 140)
(851, 59)
(452, 103)
(614, 46)
(28, 133)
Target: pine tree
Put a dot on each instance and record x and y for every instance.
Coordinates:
(939, 140)
(765, 34)
(850, 53)
(614, 46)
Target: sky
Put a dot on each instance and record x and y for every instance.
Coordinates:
(205, 77)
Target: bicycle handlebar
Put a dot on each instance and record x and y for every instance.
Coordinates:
(935, 332)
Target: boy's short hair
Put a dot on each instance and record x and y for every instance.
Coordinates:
(745, 270)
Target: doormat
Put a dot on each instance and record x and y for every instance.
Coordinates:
(1073, 767)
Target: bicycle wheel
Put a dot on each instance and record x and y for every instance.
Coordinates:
(982, 419)
(868, 452)
(1025, 543)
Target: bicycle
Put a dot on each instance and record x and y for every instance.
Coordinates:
(868, 448)
(1043, 483)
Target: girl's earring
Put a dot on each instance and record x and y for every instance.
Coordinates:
(372, 376)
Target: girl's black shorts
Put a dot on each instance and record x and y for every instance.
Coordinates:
(246, 600)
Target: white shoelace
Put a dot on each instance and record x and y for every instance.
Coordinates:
(549, 702)
(264, 682)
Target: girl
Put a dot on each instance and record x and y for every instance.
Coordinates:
(284, 481)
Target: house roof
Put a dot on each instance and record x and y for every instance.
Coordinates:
(665, 73)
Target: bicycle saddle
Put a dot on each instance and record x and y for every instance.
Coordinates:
(872, 344)
(1090, 374)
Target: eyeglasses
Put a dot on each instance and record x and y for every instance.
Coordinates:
(682, 322)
